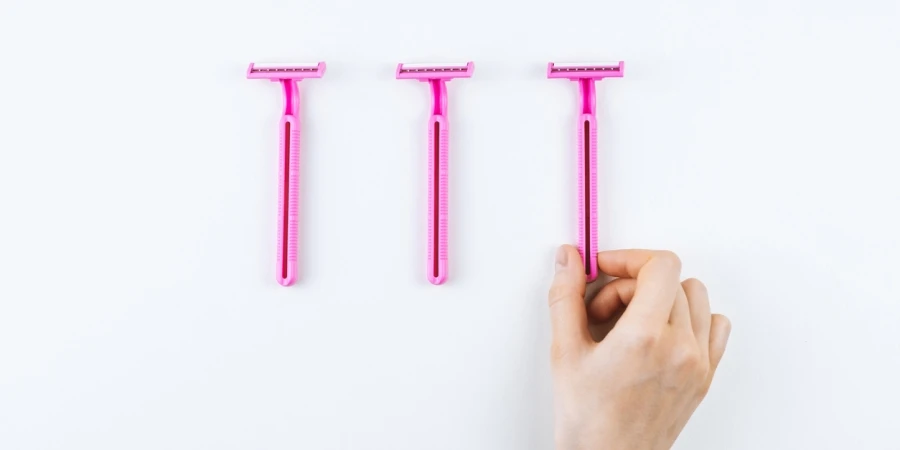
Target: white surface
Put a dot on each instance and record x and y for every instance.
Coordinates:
(138, 303)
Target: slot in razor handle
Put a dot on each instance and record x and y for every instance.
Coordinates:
(587, 193)
(288, 200)
(438, 158)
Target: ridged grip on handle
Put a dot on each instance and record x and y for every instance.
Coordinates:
(587, 189)
(288, 200)
(438, 158)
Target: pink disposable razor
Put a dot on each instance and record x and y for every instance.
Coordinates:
(437, 76)
(289, 168)
(585, 74)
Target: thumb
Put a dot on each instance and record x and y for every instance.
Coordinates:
(568, 314)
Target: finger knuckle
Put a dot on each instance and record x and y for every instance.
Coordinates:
(694, 285)
(641, 340)
(687, 361)
(670, 259)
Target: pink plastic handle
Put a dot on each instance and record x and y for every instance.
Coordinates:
(288, 75)
(587, 194)
(586, 75)
(438, 175)
(288, 200)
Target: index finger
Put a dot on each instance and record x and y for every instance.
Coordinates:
(658, 279)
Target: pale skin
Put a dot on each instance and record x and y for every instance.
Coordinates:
(637, 387)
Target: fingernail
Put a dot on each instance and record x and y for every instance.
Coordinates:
(562, 259)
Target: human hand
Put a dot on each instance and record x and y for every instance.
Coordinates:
(638, 386)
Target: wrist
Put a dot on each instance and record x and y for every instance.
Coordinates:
(597, 438)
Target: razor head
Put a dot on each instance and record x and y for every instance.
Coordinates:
(435, 71)
(285, 71)
(596, 70)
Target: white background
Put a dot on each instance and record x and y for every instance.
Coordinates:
(138, 303)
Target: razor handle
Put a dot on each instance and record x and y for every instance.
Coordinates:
(587, 193)
(438, 133)
(288, 200)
